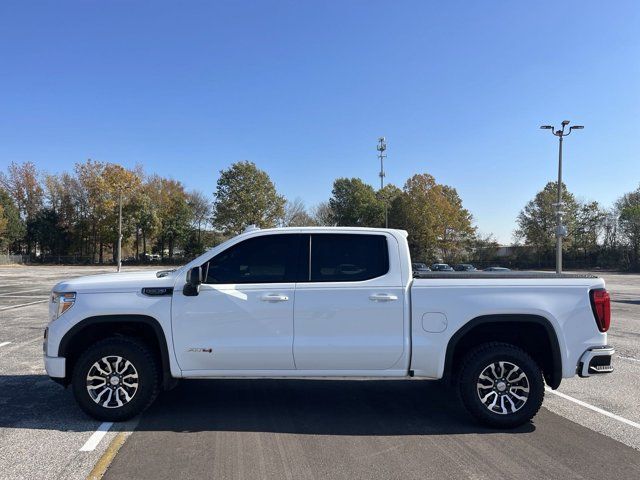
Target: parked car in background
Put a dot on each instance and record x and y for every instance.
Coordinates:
(497, 269)
(464, 267)
(441, 267)
(419, 269)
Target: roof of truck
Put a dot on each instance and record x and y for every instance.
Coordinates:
(253, 228)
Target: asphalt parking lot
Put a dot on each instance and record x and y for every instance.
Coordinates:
(309, 428)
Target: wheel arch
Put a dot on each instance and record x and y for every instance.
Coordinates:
(534, 333)
(91, 329)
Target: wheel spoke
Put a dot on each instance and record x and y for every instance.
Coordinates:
(503, 409)
(125, 393)
(98, 398)
(508, 375)
(486, 397)
(94, 378)
(513, 405)
(520, 377)
(130, 385)
(116, 363)
(108, 364)
(99, 369)
(518, 397)
(106, 402)
(95, 387)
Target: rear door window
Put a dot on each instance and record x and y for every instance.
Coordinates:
(348, 257)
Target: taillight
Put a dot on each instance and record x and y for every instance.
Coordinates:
(601, 306)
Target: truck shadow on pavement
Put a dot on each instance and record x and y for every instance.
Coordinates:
(630, 302)
(314, 407)
(36, 402)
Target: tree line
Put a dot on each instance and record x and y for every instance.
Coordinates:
(75, 214)
(596, 236)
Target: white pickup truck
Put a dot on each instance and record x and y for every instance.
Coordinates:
(325, 302)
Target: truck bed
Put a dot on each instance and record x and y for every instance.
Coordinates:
(507, 275)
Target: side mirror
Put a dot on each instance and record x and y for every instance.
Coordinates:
(194, 279)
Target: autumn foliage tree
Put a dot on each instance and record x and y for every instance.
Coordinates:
(354, 203)
(23, 184)
(628, 208)
(245, 195)
(439, 227)
(76, 214)
(13, 229)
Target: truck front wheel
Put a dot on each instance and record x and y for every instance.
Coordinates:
(115, 379)
(501, 385)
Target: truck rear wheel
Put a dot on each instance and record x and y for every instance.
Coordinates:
(501, 385)
(115, 379)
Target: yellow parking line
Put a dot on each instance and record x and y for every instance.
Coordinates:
(107, 457)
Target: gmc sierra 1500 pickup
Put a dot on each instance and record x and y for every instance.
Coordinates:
(325, 302)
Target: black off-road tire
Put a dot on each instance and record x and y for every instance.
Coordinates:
(473, 365)
(140, 356)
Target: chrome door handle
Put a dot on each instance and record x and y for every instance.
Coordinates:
(382, 297)
(270, 297)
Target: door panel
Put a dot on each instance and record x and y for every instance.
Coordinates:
(350, 314)
(340, 328)
(243, 327)
(242, 318)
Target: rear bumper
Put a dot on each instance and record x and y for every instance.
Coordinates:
(55, 366)
(596, 361)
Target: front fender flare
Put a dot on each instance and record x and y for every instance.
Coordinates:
(66, 342)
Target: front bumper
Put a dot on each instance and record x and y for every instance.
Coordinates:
(55, 366)
(596, 361)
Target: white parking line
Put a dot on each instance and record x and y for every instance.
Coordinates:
(22, 305)
(632, 359)
(25, 296)
(4, 294)
(95, 438)
(594, 408)
(4, 343)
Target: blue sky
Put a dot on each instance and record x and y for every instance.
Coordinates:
(304, 88)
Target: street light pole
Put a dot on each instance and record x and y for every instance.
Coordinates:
(382, 147)
(120, 233)
(561, 231)
(559, 212)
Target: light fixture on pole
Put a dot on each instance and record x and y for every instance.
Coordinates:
(561, 230)
(382, 147)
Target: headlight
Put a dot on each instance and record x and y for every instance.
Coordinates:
(62, 302)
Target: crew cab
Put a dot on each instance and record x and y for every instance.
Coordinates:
(325, 302)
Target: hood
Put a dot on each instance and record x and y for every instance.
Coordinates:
(117, 282)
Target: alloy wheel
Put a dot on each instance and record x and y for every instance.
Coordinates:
(503, 387)
(112, 381)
